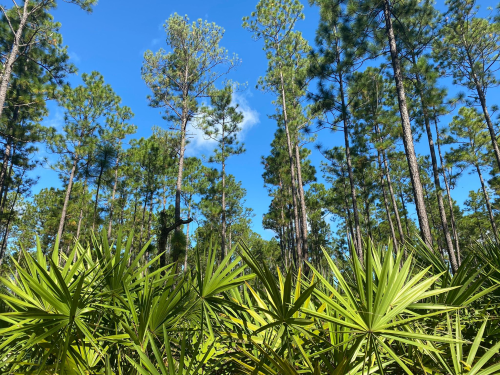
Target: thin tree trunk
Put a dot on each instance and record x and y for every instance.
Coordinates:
(187, 239)
(224, 251)
(386, 204)
(406, 214)
(66, 202)
(407, 133)
(487, 200)
(7, 228)
(292, 172)
(302, 201)
(357, 227)
(81, 210)
(142, 221)
(97, 197)
(489, 123)
(448, 192)
(5, 186)
(12, 56)
(115, 185)
(5, 164)
(437, 184)
(393, 198)
(178, 186)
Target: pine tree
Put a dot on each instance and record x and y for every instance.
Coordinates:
(221, 123)
(181, 78)
(85, 107)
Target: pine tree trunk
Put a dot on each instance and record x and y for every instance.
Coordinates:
(482, 99)
(437, 184)
(187, 240)
(224, 251)
(448, 192)
(487, 200)
(358, 243)
(298, 239)
(81, 210)
(5, 164)
(386, 204)
(393, 198)
(405, 213)
(97, 197)
(12, 56)
(115, 185)
(407, 133)
(5, 186)
(3, 247)
(302, 201)
(66, 202)
(142, 221)
(178, 186)
(348, 212)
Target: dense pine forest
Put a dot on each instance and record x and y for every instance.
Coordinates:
(145, 257)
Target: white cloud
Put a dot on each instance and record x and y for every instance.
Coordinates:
(73, 56)
(55, 119)
(199, 144)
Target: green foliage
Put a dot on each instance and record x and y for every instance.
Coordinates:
(104, 309)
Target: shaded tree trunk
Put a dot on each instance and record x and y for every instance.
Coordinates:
(66, 202)
(488, 204)
(298, 242)
(302, 202)
(437, 184)
(407, 133)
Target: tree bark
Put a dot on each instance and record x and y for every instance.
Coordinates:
(115, 185)
(358, 243)
(448, 192)
(66, 202)
(224, 251)
(407, 133)
(386, 204)
(393, 198)
(5, 164)
(187, 240)
(487, 200)
(298, 240)
(178, 185)
(12, 56)
(303, 210)
(81, 210)
(437, 184)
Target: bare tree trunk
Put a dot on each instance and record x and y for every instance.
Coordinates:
(142, 221)
(448, 193)
(406, 214)
(66, 202)
(178, 186)
(3, 248)
(407, 133)
(224, 251)
(6, 182)
(115, 185)
(5, 164)
(487, 200)
(292, 172)
(437, 184)
(81, 211)
(393, 198)
(386, 204)
(302, 201)
(187, 239)
(358, 243)
(12, 56)
(97, 197)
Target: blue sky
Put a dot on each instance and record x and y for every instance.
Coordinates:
(114, 37)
